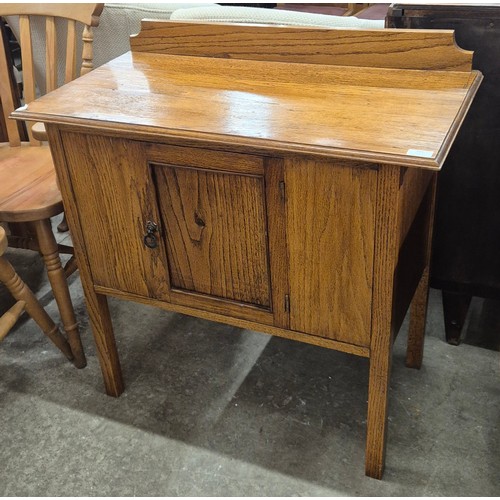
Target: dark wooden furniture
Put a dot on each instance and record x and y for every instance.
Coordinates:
(466, 251)
(208, 179)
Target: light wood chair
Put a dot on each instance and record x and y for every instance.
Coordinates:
(41, 23)
(26, 301)
(28, 185)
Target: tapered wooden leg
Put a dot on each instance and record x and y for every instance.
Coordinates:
(418, 311)
(57, 278)
(455, 308)
(378, 390)
(418, 317)
(102, 328)
(385, 260)
(21, 292)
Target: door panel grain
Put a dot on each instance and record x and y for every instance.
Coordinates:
(215, 232)
(330, 230)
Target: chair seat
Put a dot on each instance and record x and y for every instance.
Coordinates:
(28, 184)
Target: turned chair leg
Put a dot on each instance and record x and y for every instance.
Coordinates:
(25, 296)
(63, 225)
(8, 319)
(57, 278)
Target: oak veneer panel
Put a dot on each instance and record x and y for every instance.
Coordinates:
(215, 232)
(209, 159)
(411, 193)
(115, 199)
(413, 256)
(433, 49)
(330, 210)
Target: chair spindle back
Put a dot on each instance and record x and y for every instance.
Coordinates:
(63, 17)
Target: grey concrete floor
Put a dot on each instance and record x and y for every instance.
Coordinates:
(214, 410)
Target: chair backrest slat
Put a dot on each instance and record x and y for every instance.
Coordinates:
(88, 51)
(86, 13)
(27, 59)
(29, 85)
(50, 54)
(70, 69)
(32, 23)
(7, 97)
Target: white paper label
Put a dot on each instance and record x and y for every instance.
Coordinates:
(420, 152)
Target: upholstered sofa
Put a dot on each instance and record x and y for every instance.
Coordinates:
(251, 15)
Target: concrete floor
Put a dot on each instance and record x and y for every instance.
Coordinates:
(215, 410)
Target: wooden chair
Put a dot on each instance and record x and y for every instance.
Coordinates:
(28, 185)
(63, 17)
(26, 301)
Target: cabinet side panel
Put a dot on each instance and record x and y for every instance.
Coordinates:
(330, 230)
(115, 199)
(215, 231)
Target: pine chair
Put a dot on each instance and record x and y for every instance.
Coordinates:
(26, 301)
(38, 25)
(28, 185)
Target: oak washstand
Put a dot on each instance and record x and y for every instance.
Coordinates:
(274, 178)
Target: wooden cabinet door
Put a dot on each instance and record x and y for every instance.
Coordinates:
(330, 224)
(213, 209)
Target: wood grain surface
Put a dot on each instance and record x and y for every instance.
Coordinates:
(413, 188)
(239, 322)
(215, 232)
(114, 215)
(33, 170)
(330, 223)
(378, 115)
(385, 259)
(97, 305)
(410, 49)
(418, 316)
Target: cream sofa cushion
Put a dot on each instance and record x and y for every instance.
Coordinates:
(120, 20)
(253, 15)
